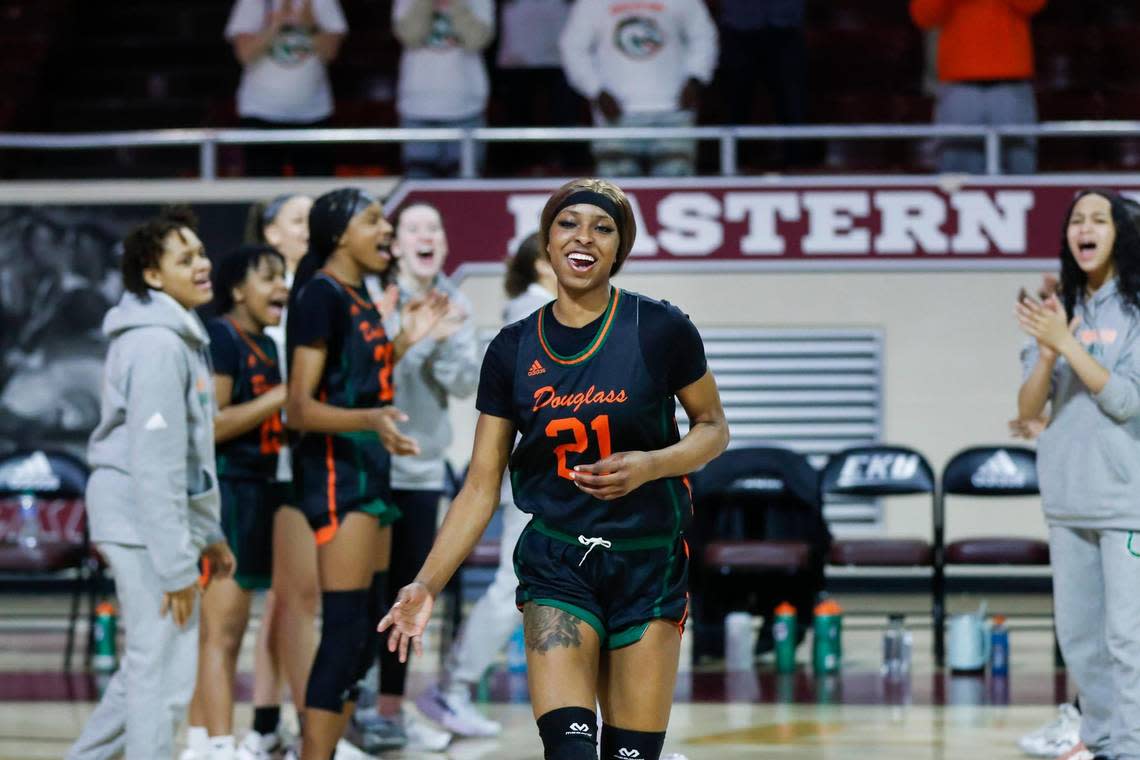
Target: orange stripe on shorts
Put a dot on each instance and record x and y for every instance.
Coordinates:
(326, 533)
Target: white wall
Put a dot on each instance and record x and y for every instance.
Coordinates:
(951, 360)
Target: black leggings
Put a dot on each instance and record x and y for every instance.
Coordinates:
(412, 536)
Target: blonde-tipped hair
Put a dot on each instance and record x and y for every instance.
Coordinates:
(627, 226)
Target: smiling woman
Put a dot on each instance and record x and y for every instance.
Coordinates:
(152, 499)
(590, 384)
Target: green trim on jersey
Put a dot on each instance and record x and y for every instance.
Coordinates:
(596, 343)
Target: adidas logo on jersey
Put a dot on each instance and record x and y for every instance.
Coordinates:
(999, 471)
(535, 369)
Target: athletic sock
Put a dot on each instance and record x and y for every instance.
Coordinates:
(621, 743)
(198, 739)
(266, 719)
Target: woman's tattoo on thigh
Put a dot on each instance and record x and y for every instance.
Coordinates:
(549, 627)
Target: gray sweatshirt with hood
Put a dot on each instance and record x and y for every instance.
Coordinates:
(1088, 458)
(153, 481)
(430, 372)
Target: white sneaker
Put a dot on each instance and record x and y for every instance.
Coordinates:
(255, 746)
(423, 736)
(453, 710)
(197, 743)
(1056, 737)
(222, 748)
(345, 751)
(1080, 754)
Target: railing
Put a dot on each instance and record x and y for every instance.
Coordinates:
(208, 140)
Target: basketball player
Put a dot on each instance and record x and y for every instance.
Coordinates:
(340, 400)
(251, 293)
(589, 382)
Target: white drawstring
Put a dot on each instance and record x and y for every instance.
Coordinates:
(592, 542)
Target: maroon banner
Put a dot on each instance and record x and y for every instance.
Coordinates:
(773, 223)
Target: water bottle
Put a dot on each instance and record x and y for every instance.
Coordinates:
(784, 634)
(999, 647)
(29, 533)
(897, 645)
(516, 651)
(739, 641)
(106, 626)
(827, 639)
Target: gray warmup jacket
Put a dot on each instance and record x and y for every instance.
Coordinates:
(425, 376)
(153, 481)
(1088, 458)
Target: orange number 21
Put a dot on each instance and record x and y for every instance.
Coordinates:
(601, 427)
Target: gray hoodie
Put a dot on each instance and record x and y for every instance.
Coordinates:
(425, 376)
(153, 481)
(1088, 458)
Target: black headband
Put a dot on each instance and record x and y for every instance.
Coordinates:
(594, 198)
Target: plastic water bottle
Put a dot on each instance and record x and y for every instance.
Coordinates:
(827, 638)
(106, 627)
(897, 645)
(29, 533)
(739, 641)
(999, 647)
(516, 651)
(784, 634)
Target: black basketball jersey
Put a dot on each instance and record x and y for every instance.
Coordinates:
(579, 409)
(251, 360)
(358, 371)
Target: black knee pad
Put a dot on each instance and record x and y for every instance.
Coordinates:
(377, 607)
(569, 733)
(623, 744)
(344, 635)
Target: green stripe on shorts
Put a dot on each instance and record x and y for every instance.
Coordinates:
(584, 615)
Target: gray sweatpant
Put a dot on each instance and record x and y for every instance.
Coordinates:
(147, 697)
(1096, 574)
(987, 105)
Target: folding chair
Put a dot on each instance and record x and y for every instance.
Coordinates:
(44, 475)
(884, 471)
(991, 472)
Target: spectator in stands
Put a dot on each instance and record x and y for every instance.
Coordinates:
(985, 70)
(764, 40)
(285, 47)
(528, 74)
(443, 81)
(641, 65)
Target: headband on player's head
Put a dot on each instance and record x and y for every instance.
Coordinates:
(594, 198)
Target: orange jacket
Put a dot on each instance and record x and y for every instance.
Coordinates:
(980, 39)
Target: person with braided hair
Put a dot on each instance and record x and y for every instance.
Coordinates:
(339, 401)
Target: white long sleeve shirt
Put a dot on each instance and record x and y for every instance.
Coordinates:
(442, 75)
(640, 51)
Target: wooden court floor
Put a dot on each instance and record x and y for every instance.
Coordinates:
(717, 715)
